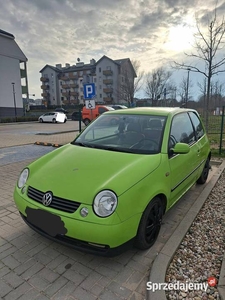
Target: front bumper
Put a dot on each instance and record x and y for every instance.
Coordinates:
(107, 239)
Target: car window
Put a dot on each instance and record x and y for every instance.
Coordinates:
(125, 133)
(101, 110)
(199, 130)
(181, 130)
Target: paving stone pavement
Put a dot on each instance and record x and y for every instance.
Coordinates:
(33, 267)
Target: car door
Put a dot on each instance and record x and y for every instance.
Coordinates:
(46, 117)
(183, 167)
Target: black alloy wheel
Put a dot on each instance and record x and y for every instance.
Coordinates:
(150, 224)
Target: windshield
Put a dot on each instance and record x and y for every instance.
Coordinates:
(124, 133)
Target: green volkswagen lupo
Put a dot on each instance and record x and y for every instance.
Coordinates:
(109, 188)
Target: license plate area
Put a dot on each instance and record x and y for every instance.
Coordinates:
(46, 221)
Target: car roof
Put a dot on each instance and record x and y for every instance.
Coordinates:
(160, 111)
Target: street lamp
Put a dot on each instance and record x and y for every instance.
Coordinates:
(187, 87)
(14, 98)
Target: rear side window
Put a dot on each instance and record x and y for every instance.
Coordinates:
(101, 110)
(199, 130)
(181, 130)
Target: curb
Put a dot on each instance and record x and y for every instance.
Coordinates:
(162, 261)
(56, 132)
(48, 144)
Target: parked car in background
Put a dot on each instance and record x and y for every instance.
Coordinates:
(53, 117)
(117, 106)
(118, 180)
(90, 114)
(61, 109)
(75, 116)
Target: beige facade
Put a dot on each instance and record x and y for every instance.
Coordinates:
(64, 84)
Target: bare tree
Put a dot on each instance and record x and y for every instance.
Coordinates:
(157, 84)
(184, 90)
(207, 46)
(130, 87)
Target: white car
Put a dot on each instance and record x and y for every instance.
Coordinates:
(53, 117)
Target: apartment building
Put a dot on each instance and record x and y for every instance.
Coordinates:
(64, 85)
(13, 76)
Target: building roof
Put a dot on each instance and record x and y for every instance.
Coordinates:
(72, 68)
(9, 47)
(89, 66)
(2, 32)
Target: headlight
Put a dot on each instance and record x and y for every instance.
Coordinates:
(105, 203)
(23, 178)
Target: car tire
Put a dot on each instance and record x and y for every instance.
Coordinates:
(150, 224)
(41, 120)
(65, 121)
(86, 122)
(54, 121)
(205, 172)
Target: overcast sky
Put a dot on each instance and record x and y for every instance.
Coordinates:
(60, 31)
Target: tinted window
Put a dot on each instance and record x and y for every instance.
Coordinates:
(181, 130)
(101, 110)
(197, 125)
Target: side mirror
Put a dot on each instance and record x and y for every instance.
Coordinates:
(181, 148)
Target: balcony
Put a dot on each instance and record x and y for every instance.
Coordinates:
(45, 87)
(108, 99)
(45, 95)
(74, 85)
(64, 78)
(65, 86)
(44, 79)
(108, 90)
(65, 94)
(74, 101)
(72, 76)
(74, 93)
(107, 72)
(23, 73)
(107, 81)
(24, 89)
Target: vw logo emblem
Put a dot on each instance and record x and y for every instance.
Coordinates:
(47, 199)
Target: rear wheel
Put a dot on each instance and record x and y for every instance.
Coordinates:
(41, 120)
(205, 172)
(65, 121)
(53, 120)
(150, 224)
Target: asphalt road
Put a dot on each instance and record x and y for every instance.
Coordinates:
(20, 153)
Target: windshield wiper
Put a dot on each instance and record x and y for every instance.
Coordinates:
(83, 144)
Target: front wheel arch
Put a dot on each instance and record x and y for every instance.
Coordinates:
(150, 223)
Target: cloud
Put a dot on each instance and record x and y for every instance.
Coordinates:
(60, 31)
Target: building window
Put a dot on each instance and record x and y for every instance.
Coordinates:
(100, 95)
(95, 79)
(100, 86)
(81, 73)
(100, 70)
(81, 89)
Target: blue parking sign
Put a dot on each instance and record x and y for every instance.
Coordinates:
(89, 91)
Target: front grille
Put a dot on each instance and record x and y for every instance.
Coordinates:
(57, 203)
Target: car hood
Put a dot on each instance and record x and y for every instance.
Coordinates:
(79, 173)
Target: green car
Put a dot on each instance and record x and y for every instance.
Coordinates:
(108, 189)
